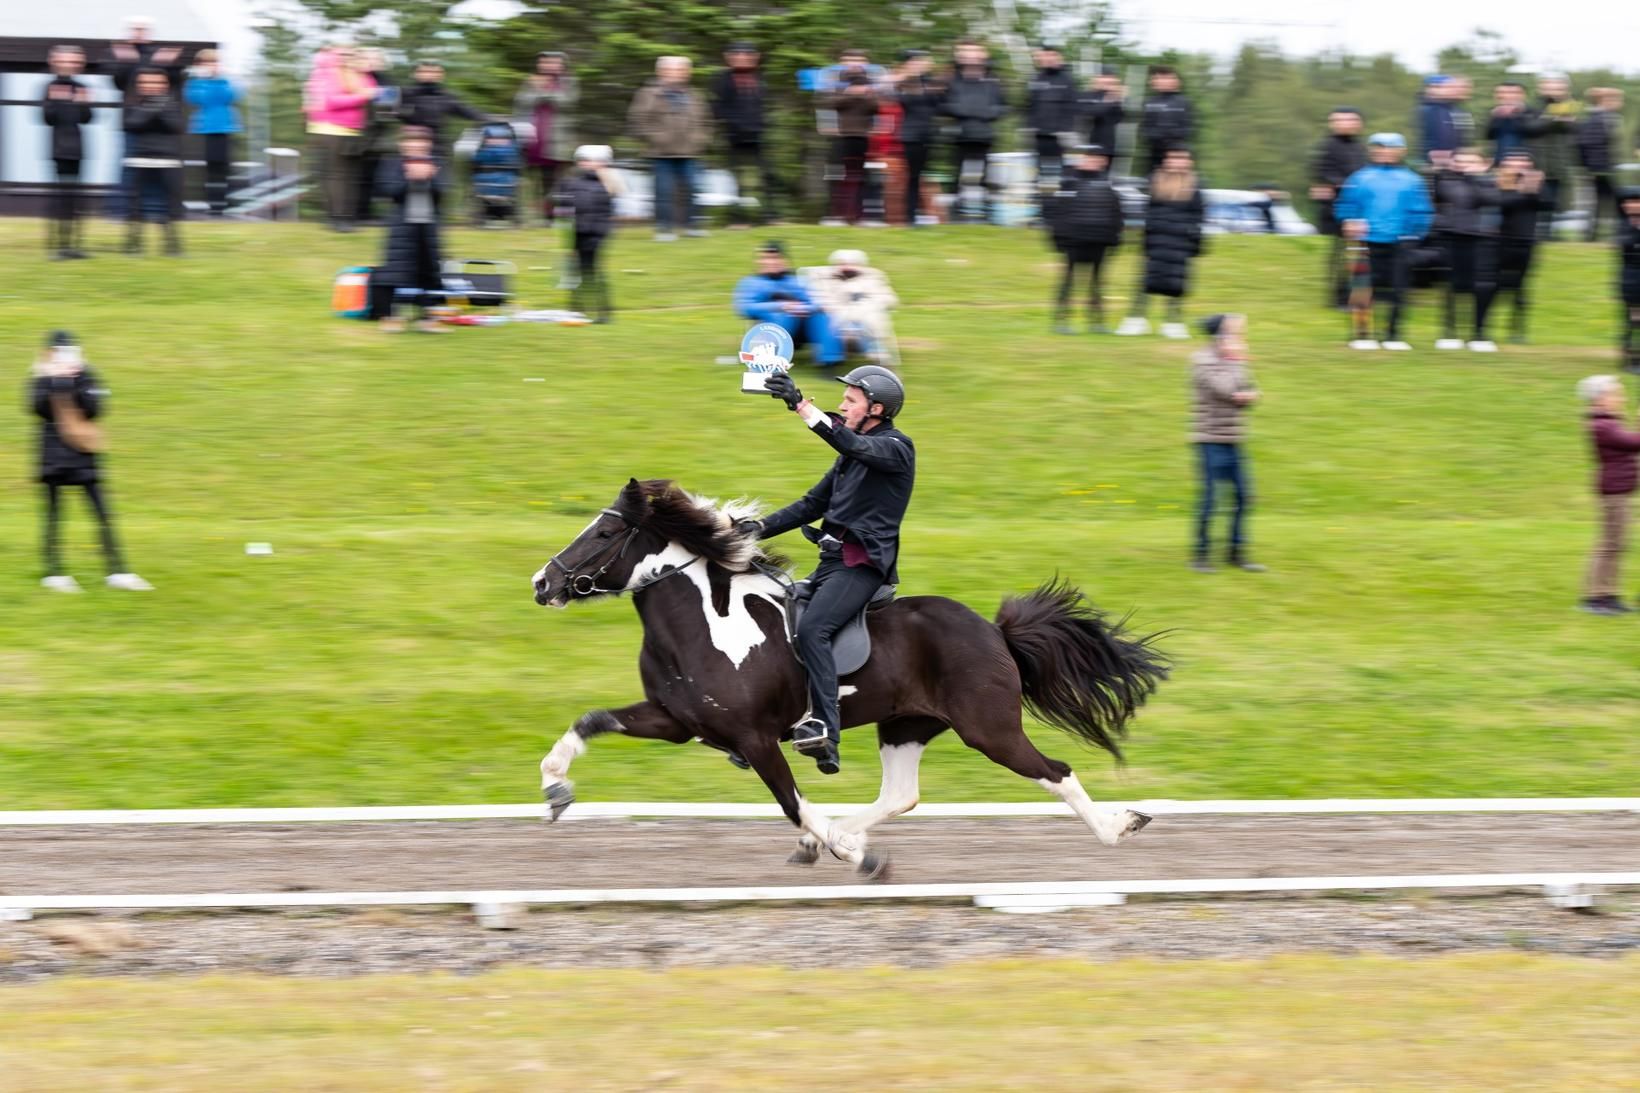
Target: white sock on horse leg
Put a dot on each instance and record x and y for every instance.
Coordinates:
(555, 767)
(897, 796)
(846, 845)
(1110, 824)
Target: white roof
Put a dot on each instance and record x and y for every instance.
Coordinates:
(173, 20)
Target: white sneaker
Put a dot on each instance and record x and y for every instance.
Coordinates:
(128, 582)
(1132, 325)
(665, 237)
(1449, 343)
(697, 233)
(1399, 347)
(873, 224)
(1363, 343)
(60, 584)
(1175, 331)
(1483, 346)
(832, 222)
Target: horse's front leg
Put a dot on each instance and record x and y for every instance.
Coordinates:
(644, 720)
(766, 758)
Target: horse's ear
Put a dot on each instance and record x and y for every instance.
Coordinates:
(632, 496)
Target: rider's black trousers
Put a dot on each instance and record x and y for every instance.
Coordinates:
(840, 593)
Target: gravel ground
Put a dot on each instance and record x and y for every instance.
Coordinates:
(907, 935)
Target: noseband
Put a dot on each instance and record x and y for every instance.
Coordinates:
(582, 583)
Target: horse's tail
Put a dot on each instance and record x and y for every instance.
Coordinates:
(1079, 671)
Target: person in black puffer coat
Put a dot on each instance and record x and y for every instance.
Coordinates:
(1338, 157)
(974, 101)
(413, 184)
(587, 193)
(65, 106)
(1628, 244)
(1520, 198)
(65, 395)
(1173, 237)
(1050, 113)
(1466, 216)
(1085, 217)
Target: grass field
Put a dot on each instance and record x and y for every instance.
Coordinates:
(1425, 517)
(1479, 1022)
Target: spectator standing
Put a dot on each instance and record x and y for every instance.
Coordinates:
(853, 105)
(413, 182)
(1173, 239)
(920, 95)
(68, 399)
(856, 299)
(974, 101)
(1512, 122)
(1466, 214)
(774, 295)
(428, 104)
(136, 52)
(1438, 129)
(1520, 195)
(1102, 110)
(377, 142)
(1616, 450)
(337, 99)
(213, 97)
(1463, 121)
(153, 154)
(1387, 204)
(546, 102)
(1628, 245)
(674, 125)
(590, 194)
(1224, 392)
(739, 100)
(1554, 146)
(1084, 219)
(1051, 114)
(1337, 157)
(1167, 119)
(1600, 150)
(65, 106)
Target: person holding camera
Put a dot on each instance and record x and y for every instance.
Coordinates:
(65, 107)
(774, 295)
(860, 504)
(153, 155)
(1520, 196)
(853, 103)
(67, 398)
(919, 94)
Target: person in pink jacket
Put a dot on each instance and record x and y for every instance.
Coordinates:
(337, 102)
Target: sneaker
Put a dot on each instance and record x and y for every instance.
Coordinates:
(128, 582)
(1133, 325)
(666, 237)
(697, 233)
(1483, 345)
(1202, 565)
(1249, 566)
(60, 584)
(1398, 347)
(1176, 331)
(832, 222)
(1592, 607)
(1363, 343)
(1449, 343)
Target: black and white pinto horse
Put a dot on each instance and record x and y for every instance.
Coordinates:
(716, 666)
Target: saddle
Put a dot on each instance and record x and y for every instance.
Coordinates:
(852, 645)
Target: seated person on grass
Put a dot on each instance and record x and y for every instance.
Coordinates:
(857, 299)
(774, 295)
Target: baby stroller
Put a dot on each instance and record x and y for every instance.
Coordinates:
(498, 163)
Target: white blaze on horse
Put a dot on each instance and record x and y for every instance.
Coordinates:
(716, 666)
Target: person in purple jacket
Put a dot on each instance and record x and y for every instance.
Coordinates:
(1617, 462)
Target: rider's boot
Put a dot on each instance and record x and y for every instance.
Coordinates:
(734, 757)
(814, 738)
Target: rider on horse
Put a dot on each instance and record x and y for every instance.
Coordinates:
(859, 503)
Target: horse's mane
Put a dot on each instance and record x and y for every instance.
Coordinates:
(698, 524)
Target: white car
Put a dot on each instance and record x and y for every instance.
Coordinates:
(1251, 212)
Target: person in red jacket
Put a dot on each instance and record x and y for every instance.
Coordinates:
(1617, 460)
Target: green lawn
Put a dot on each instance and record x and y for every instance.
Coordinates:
(1425, 517)
(1499, 1021)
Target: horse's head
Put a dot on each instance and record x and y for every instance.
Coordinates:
(651, 528)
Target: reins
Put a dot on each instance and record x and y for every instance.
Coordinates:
(582, 583)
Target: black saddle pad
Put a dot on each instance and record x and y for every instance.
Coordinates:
(851, 648)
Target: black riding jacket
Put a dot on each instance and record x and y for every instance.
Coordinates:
(863, 498)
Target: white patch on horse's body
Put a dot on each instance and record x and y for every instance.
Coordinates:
(847, 689)
(1112, 825)
(734, 635)
(898, 794)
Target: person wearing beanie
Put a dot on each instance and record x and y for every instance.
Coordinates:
(1223, 391)
(68, 399)
(1337, 157)
(590, 195)
(774, 295)
(1520, 195)
(1173, 240)
(1617, 470)
(1386, 204)
(1084, 220)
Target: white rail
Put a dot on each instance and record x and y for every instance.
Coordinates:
(607, 810)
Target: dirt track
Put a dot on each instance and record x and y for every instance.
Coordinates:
(623, 854)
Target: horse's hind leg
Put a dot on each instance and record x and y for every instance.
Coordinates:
(643, 719)
(766, 758)
(1003, 741)
(900, 744)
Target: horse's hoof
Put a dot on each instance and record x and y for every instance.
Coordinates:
(874, 867)
(559, 797)
(805, 854)
(1139, 822)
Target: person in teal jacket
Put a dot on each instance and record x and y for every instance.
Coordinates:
(1387, 205)
(774, 295)
(212, 97)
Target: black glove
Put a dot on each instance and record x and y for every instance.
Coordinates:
(750, 529)
(780, 386)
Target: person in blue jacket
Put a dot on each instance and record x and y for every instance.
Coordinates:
(213, 97)
(774, 295)
(1387, 204)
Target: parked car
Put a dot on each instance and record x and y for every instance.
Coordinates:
(1252, 212)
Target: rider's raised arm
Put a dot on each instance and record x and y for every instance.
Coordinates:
(807, 509)
(880, 453)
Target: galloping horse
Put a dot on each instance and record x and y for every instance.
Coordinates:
(716, 666)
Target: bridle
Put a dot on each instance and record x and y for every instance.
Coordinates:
(582, 583)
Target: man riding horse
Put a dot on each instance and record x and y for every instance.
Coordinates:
(859, 503)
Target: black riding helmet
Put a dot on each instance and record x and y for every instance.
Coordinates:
(879, 385)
